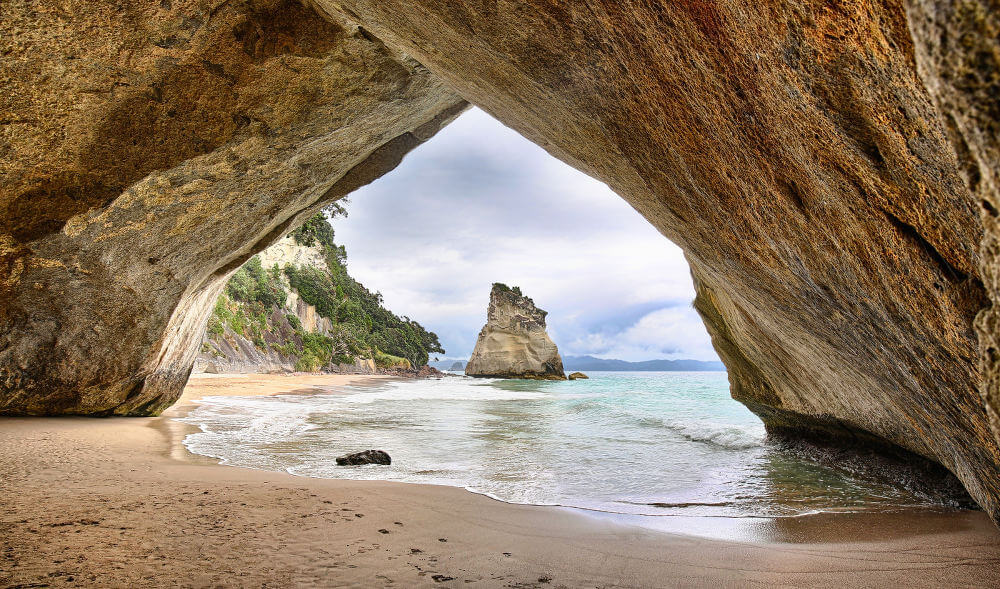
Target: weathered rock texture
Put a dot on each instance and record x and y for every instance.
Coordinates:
(822, 163)
(287, 252)
(366, 457)
(957, 51)
(147, 150)
(798, 153)
(232, 352)
(513, 343)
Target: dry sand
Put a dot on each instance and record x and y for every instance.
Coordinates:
(119, 503)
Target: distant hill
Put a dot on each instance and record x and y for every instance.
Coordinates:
(584, 363)
(453, 365)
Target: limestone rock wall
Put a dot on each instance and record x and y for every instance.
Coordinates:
(232, 352)
(957, 52)
(287, 252)
(514, 343)
(308, 316)
(798, 154)
(824, 165)
(148, 149)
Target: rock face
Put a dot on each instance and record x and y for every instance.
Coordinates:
(147, 151)
(231, 352)
(813, 160)
(513, 343)
(366, 457)
(957, 54)
(826, 166)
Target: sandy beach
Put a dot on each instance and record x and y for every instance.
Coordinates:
(120, 503)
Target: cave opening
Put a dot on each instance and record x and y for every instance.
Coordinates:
(828, 169)
(480, 204)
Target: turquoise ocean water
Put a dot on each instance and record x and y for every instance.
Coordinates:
(649, 443)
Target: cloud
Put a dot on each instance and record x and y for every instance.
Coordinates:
(480, 204)
(673, 332)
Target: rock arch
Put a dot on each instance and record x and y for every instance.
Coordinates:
(824, 166)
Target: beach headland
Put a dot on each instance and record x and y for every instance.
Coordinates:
(120, 502)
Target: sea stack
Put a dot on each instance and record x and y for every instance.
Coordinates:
(513, 343)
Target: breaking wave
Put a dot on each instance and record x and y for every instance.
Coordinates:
(645, 443)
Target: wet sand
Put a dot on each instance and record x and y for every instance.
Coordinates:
(120, 503)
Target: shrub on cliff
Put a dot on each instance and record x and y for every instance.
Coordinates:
(345, 301)
(252, 283)
(362, 326)
(316, 352)
(383, 360)
(317, 229)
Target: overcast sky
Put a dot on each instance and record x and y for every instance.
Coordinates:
(479, 204)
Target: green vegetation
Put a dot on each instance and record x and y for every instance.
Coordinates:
(389, 361)
(316, 352)
(362, 327)
(516, 290)
(316, 230)
(252, 284)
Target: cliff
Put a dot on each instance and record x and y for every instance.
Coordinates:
(829, 168)
(294, 307)
(825, 167)
(513, 343)
(228, 347)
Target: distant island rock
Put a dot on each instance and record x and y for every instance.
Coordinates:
(592, 363)
(513, 343)
(457, 366)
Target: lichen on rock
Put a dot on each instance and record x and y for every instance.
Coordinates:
(148, 150)
(514, 343)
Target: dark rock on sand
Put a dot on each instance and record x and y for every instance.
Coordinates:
(366, 457)
(427, 371)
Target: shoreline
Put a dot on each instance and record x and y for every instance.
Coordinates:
(202, 385)
(820, 526)
(108, 501)
(817, 526)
